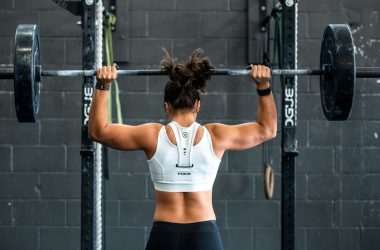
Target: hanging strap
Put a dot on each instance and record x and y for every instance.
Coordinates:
(110, 21)
(185, 141)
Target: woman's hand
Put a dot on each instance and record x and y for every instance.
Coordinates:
(105, 75)
(260, 74)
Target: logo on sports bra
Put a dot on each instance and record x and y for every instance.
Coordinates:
(184, 134)
(184, 173)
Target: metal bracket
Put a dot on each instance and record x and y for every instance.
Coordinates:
(74, 7)
(264, 19)
(120, 29)
(112, 8)
(263, 15)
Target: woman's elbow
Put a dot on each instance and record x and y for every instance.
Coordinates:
(271, 132)
(94, 134)
(91, 135)
(273, 129)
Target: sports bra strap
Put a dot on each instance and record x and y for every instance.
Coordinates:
(185, 141)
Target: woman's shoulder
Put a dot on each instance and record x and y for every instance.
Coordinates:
(148, 129)
(153, 126)
(150, 132)
(212, 126)
(218, 130)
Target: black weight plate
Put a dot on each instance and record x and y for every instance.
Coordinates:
(337, 85)
(26, 88)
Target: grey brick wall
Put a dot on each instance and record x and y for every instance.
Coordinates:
(338, 171)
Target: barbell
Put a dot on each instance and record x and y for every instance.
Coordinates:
(337, 72)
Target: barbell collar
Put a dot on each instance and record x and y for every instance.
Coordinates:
(368, 72)
(295, 72)
(7, 73)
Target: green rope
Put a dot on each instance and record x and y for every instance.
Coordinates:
(110, 93)
(111, 20)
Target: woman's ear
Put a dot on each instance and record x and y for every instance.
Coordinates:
(168, 107)
(198, 106)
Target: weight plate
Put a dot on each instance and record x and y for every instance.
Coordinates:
(338, 83)
(26, 88)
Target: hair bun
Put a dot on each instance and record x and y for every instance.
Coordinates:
(199, 67)
(167, 64)
(176, 72)
(193, 71)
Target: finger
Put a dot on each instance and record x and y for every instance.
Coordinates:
(264, 72)
(108, 72)
(259, 71)
(100, 72)
(254, 71)
(114, 72)
(268, 72)
(113, 69)
(104, 70)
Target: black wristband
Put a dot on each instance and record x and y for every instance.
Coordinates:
(264, 92)
(102, 86)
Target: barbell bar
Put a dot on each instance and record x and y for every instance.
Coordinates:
(155, 72)
(337, 72)
(8, 73)
(361, 72)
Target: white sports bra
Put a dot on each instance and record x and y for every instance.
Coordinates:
(183, 168)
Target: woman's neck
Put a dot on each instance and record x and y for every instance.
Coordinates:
(184, 119)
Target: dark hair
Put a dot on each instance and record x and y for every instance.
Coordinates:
(185, 79)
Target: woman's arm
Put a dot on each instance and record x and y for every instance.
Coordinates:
(247, 135)
(117, 136)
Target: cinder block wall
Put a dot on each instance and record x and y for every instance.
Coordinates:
(338, 170)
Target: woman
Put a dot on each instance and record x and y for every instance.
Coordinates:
(183, 175)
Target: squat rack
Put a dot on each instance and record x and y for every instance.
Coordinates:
(287, 60)
(92, 211)
(289, 147)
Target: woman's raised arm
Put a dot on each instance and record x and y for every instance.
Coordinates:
(247, 135)
(118, 136)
